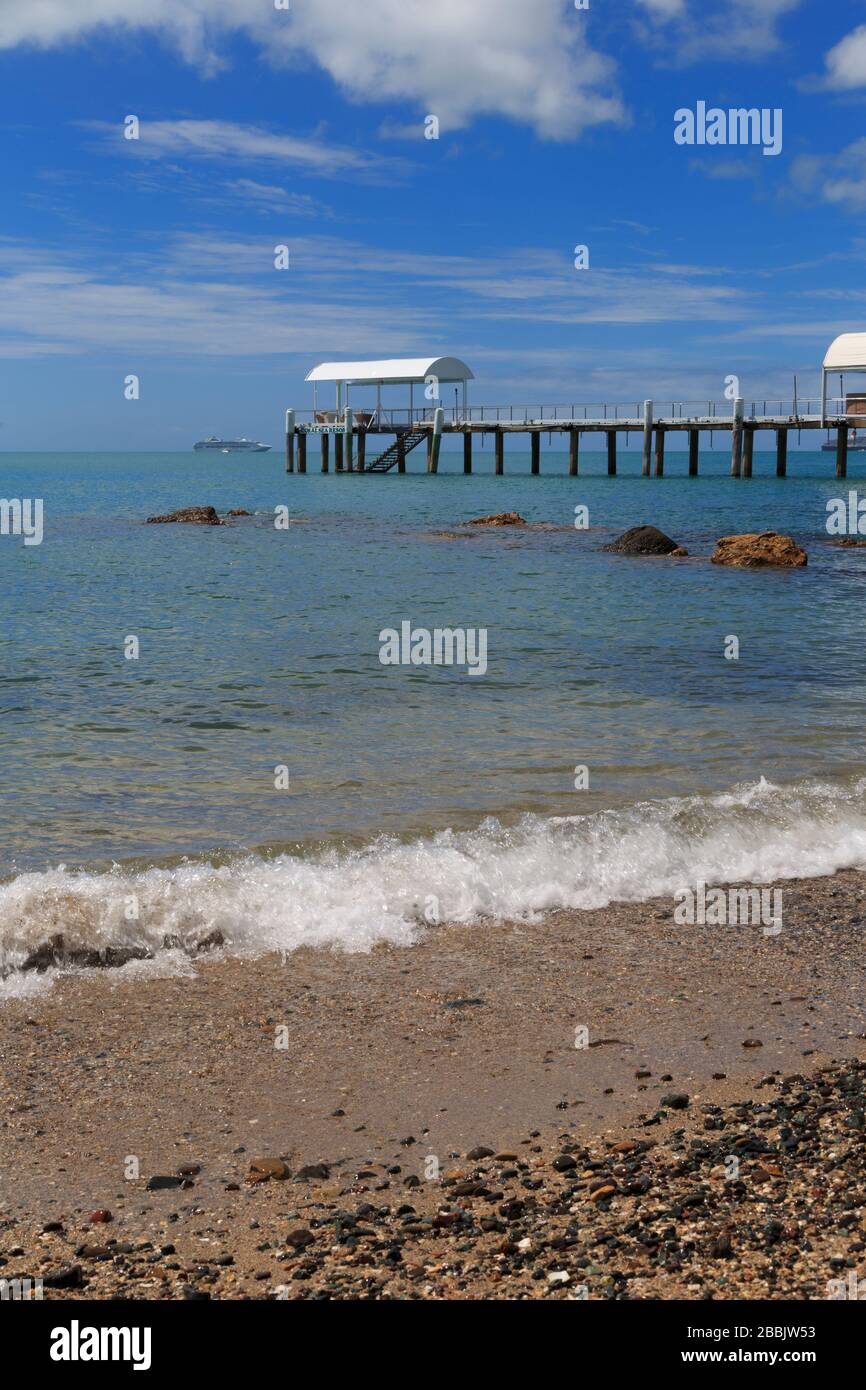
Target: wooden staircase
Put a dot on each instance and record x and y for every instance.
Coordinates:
(390, 456)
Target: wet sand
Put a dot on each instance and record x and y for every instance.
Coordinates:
(398, 1059)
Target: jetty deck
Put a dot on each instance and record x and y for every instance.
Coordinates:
(412, 426)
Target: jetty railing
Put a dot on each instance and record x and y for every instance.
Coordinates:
(631, 414)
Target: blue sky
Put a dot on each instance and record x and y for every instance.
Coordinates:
(262, 126)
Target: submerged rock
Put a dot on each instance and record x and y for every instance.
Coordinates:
(645, 540)
(56, 952)
(195, 516)
(499, 519)
(756, 551)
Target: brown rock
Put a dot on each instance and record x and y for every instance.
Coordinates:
(263, 1169)
(499, 519)
(195, 516)
(754, 551)
(102, 1214)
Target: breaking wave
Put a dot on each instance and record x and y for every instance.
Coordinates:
(392, 891)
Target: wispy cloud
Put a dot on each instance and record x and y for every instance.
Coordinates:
(206, 295)
(227, 141)
(690, 31)
(838, 178)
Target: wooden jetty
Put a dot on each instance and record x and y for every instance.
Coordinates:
(414, 425)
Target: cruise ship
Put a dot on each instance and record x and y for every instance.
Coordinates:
(232, 446)
(856, 442)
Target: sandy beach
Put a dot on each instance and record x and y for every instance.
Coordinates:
(382, 1074)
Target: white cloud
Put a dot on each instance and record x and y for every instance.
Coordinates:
(690, 31)
(457, 59)
(846, 62)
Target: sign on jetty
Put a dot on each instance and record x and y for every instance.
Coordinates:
(432, 377)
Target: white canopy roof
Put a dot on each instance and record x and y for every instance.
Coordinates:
(392, 371)
(847, 353)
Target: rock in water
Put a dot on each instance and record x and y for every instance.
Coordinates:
(644, 540)
(499, 519)
(196, 516)
(753, 551)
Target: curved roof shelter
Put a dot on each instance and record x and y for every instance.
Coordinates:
(393, 371)
(847, 353)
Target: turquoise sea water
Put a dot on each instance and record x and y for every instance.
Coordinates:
(259, 647)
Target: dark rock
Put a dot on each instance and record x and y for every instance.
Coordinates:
(675, 1100)
(313, 1172)
(56, 952)
(238, 511)
(480, 1151)
(67, 1277)
(158, 1183)
(644, 540)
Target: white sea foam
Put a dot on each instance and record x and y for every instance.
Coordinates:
(389, 891)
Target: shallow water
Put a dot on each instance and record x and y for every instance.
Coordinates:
(259, 647)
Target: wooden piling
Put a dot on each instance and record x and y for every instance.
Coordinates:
(290, 441)
(573, 452)
(660, 451)
(535, 451)
(694, 451)
(302, 451)
(842, 450)
(611, 453)
(467, 452)
(748, 450)
(499, 451)
(338, 452)
(737, 439)
(350, 440)
(326, 449)
(435, 440)
(401, 454)
(781, 453)
(362, 450)
(647, 437)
